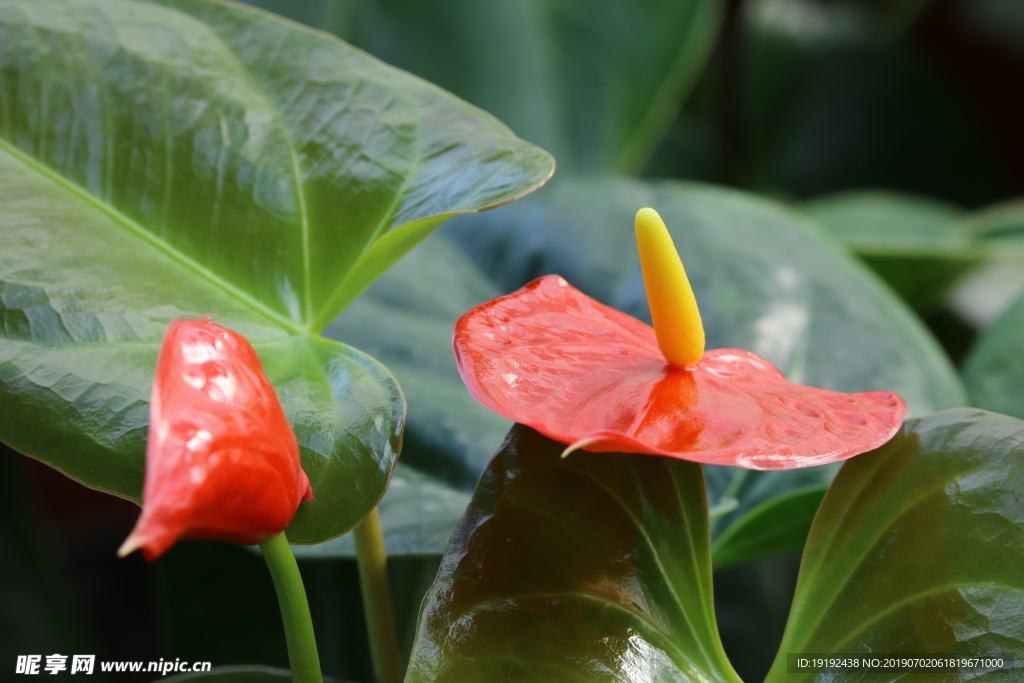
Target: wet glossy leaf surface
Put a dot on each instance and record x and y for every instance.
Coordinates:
(994, 370)
(595, 567)
(917, 547)
(159, 162)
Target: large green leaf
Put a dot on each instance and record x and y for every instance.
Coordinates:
(994, 370)
(595, 567)
(189, 158)
(765, 279)
(918, 547)
(593, 81)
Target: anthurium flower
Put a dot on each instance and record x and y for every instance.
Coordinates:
(222, 461)
(596, 379)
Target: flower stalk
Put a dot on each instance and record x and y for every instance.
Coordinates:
(291, 596)
(372, 560)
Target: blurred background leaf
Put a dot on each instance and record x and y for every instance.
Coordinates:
(594, 82)
(994, 371)
(771, 528)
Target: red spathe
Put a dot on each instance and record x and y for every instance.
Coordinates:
(222, 461)
(585, 374)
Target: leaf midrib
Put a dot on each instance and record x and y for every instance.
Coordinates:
(135, 228)
(293, 158)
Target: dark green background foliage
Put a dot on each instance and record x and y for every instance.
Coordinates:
(839, 175)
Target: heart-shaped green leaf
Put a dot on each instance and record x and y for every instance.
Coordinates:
(917, 548)
(592, 567)
(595, 82)
(764, 278)
(994, 370)
(160, 161)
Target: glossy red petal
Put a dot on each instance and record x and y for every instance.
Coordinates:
(587, 375)
(222, 461)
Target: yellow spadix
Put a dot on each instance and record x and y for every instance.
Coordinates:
(674, 310)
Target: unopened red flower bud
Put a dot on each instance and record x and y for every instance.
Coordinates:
(222, 461)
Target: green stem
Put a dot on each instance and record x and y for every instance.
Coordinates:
(733, 487)
(373, 581)
(728, 501)
(298, 627)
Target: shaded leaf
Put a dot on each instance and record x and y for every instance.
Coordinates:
(592, 567)
(998, 222)
(159, 162)
(917, 547)
(407, 318)
(775, 526)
